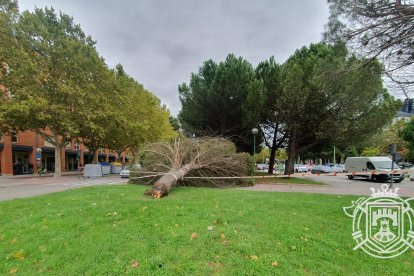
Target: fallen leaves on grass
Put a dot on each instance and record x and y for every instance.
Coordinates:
(275, 264)
(293, 248)
(112, 214)
(13, 270)
(135, 264)
(20, 255)
(254, 258)
(194, 235)
(210, 228)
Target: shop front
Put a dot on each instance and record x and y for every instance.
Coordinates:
(48, 159)
(21, 159)
(72, 159)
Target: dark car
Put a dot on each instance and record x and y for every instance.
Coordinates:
(405, 165)
(321, 169)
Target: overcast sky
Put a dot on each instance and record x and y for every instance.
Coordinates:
(161, 42)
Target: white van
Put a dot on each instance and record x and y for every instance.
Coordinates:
(381, 165)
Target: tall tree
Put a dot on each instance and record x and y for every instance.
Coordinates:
(407, 134)
(268, 72)
(51, 95)
(377, 29)
(215, 101)
(326, 102)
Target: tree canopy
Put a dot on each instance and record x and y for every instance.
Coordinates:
(215, 102)
(323, 101)
(62, 89)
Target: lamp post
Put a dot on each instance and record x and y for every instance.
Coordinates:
(254, 132)
(39, 160)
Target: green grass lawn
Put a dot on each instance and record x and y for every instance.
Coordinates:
(115, 230)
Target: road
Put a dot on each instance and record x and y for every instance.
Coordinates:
(339, 185)
(26, 186)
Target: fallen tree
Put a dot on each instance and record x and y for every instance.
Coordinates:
(204, 157)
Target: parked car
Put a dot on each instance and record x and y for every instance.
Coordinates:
(405, 165)
(299, 168)
(124, 173)
(262, 167)
(338, 168)
(321, 169)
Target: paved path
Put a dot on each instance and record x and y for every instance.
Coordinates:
(339, 185)
(26, 186)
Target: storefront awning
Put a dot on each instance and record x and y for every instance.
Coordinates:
(71, 152)
(48, 150)
(22, 148)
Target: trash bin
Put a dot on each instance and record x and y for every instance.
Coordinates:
(92, 170)
(116, 167)
(106, 168)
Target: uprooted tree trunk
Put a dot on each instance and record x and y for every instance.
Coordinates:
(208, 156)
(163, 186)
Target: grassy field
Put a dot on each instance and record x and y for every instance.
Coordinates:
(115, 230)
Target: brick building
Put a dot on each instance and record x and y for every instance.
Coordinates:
(18, 154)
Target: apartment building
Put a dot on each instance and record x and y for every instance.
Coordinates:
(18, 154)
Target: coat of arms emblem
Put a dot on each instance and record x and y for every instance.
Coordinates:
(383, 223)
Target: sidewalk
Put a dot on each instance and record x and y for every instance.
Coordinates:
(18, 176)
(29, 185)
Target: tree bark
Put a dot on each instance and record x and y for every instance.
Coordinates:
(273, 153)
(58, 164)
(290, 167)
(163, 186)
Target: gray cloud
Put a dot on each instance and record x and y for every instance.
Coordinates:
(161, 42)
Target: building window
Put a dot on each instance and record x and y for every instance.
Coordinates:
(67, 145)
(77, 146)
(14, 137)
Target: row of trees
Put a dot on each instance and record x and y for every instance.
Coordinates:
(58, 86)
(316, 98)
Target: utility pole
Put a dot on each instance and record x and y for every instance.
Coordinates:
(393, 150)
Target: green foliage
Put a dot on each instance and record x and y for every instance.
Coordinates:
(175, 123)
(372, 151)
(407, 133)
(281, 154)
(62, 89)
(263, 155)
(215, 102)
(330, 102)
(390, 135)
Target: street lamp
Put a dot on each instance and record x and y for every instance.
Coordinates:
(39, 160)
(254, 132)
